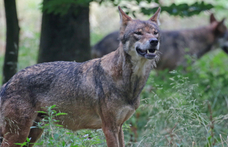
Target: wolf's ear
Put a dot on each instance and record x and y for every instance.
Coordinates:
(222, 21)
(220, 27)
(212, 18)
(124, 18)
(156, 16)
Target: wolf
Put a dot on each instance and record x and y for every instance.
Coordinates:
(177, 44)
(100, 93)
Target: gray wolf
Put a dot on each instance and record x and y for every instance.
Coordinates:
(176, 44)
(100, 93)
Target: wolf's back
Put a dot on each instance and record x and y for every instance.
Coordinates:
(40, 79)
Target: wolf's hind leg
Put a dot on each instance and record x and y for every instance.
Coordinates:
(14, 132)
(17, 118)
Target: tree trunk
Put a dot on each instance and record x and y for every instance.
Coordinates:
(12, 40)
(66, 37)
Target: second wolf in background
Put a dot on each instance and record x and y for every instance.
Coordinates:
(176, 44)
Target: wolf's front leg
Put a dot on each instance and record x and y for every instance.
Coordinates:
(112, 136)
(121, 137)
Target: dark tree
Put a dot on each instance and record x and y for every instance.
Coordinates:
(12, 40)
(65, 36)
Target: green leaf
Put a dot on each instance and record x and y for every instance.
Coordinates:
(53, 106)
(182, 9)
(58, 114)
(41, 112)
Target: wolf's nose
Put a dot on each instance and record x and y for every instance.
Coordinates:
(154, 41)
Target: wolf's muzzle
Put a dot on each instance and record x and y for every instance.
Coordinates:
(153, 42)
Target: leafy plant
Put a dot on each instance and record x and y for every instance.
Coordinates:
(55, 135)
(26, 143)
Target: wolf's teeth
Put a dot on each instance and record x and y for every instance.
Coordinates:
(148, 51)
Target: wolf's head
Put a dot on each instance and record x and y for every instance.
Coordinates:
(140, 39)
(220, 31)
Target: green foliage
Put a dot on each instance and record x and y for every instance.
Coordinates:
(182, 10)
(26, 143)
(62, 6)
(28, 51)
(185, 108)
(55, 135)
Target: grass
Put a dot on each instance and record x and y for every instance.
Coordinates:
(180, 108)
(55, 135)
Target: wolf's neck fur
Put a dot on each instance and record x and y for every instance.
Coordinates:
(129, 75)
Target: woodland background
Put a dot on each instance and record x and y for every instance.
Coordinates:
(177, 108)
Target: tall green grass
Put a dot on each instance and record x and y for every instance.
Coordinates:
(185, 108)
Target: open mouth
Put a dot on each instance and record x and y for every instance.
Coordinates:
(148, 54)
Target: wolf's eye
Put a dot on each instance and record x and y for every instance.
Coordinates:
(138, 33)
(155, 33)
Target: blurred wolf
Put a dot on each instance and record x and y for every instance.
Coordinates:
(108, 44)
(100, 93)
(176, 44)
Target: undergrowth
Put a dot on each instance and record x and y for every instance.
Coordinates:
(185, 107)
